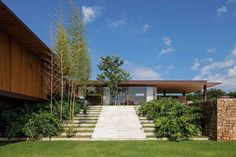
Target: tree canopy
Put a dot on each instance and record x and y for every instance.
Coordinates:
(112, 72)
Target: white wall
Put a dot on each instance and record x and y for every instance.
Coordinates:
(149, 94)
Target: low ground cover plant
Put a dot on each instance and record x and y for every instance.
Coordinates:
(172, 119)
(35, 120)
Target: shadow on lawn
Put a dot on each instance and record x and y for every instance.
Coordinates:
(6, 143)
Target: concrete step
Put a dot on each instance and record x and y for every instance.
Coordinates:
(70, 125)
(90, 111)
(84, 120)
(81, 129)
(148, 125)
(149, 134)
(83, 134)
(87, 116)
(90, 114)
(86, 124)
(77, 134)
(146, 121)
(118, 123)
(142, 118)
(147, 131)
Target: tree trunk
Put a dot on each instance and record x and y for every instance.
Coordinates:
(73, 103)
(62, 95)
(69, 92)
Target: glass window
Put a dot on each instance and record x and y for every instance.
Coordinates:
(136, 95)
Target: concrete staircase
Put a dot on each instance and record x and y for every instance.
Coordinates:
(148, 126)
(83, 125)
(118, 123)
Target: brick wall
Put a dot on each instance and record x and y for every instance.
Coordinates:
(219, 118)
(209, 123)
(226, 119)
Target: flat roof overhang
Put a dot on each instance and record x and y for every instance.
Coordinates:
(13, 26)
(165, 86)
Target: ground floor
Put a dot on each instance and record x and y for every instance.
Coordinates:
(119, 149)
(135, 92)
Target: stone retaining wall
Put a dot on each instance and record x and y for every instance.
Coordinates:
(219, 122)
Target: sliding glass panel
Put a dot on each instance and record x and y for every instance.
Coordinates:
(137, 95)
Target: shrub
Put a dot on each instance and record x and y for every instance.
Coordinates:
(71, 131)
(65, 109)
(42, 125)
(172, 119)
(24, 116)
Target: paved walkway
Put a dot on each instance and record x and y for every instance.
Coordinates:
(118, 123)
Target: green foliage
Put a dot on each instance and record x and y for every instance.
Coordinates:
(71, 131)
(13, 129)
(232, 94)
(113, 73)
(66, 108)
(211, 94)
(61, 49)
(42, 125)
(26, 120)
(13, 120)
(172, 119)
(215, 93)
(80, 66)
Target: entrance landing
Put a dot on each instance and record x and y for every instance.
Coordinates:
(118, 123)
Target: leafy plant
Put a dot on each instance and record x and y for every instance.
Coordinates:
(70, 132)
(13, 129)
(172, 119)
(42, 125)
(112, 72)
(65, 109)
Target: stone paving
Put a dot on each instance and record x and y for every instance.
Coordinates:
(118, 123)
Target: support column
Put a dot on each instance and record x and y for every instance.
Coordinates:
(127, 96)
(184, 94)
(164, 93)
(205, 92)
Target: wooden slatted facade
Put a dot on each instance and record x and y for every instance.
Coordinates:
(22, 59)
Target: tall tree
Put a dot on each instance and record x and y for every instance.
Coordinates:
(61, 48)
(112, 72)
(80, 67)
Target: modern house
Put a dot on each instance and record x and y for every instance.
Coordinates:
(135, 92)
(23, 60)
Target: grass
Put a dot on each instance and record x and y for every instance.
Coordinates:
(119, 149)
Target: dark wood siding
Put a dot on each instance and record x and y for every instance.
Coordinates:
(4, 62)
(21, 71)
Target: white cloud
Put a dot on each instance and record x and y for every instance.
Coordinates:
(145, 28)
(118, 23)
(223, 71)
(230, 2)
(168, 46)
(222, 10)
(144, 73)
(139, 72)
(167, 41)
(170, 67)
(232, 71)
(217, 65)
(166, 51)
(90, 13)
(195, 66)
(211, 50)
(233, 52)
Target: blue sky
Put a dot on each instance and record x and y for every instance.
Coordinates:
(158, 39)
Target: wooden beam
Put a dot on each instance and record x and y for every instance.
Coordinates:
(205, 92)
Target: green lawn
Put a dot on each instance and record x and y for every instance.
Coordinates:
(119, 149)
